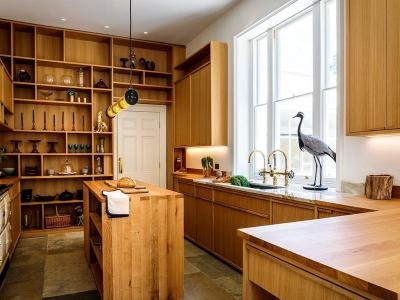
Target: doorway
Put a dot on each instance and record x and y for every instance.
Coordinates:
(141, 144)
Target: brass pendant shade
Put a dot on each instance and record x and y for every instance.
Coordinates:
(131, 97)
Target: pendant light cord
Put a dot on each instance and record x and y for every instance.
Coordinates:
(130, 43)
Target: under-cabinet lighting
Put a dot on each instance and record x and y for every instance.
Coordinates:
(146, 32)
(63, 19)
(106, 26)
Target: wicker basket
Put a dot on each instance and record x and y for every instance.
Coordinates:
(57, 220)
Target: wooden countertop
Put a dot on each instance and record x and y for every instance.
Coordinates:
(9, 180)
(360, 250)
(97, 187)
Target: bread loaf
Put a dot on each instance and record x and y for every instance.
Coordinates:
(126, 182)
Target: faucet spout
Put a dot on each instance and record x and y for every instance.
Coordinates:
(263, 172)
(274, 173)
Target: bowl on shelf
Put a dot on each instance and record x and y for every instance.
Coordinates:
(9, 171)
(46, 198)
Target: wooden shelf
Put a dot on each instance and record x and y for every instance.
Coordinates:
(40, 232)
(4, 127)
(51, 102)
(62, 87)
(99, 90)
(141, 71)
(98, 277)
(50, 202)
(97, 253)
(96, 220)
(52, 131)
(143, 86)
(55, 177)
(20, 83)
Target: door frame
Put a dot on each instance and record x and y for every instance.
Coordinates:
(162, 110)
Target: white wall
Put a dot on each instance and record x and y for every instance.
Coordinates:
(360, 156)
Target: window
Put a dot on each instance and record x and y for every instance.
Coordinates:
(294, 69)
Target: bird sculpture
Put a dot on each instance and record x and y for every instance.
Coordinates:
(317, 149)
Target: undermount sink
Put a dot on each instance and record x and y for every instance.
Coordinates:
(261, 186)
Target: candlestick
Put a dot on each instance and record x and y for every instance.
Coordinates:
(54, 122)
(73, 121)
(22, 120)
(62, 122)
(83, 123)
(44, 121)
(33, 120)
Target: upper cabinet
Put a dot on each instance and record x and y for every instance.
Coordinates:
(201, 98)
(373, 66)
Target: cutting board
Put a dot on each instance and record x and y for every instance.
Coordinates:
(136, 190)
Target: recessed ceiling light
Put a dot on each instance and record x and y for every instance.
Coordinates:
(63, 19)
(106, 26)
(146, 32)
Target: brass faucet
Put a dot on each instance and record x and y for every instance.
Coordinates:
(274, 173)
(263, 172)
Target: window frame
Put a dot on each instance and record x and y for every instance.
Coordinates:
(319, 84)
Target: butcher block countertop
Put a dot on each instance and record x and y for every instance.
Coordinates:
(9, 180)
(361, 250)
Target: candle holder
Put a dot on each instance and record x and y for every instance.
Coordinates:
(16, 148)
(52, 147)
(35, 146)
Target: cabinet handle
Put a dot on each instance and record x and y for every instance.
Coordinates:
(120, 170)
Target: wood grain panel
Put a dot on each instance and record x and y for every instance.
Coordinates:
(366, 65)
(186, 188)
(182, 112)
(204, 223)
(204, 192)
(286, 213)
(190, 216)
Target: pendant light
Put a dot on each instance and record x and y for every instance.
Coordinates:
(131, 96)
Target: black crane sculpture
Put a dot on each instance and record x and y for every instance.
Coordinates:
(317, 149)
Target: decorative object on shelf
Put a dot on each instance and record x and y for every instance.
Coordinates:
(100, 148)
(76, 147)
(66, 195)
(317, 149)
(99, 168)
(46, 94)
(101, 125)
(9, 171)
(49, 79)
(57, 220)
(81, 76)
(147, 64)
(22, 121)
(79, 100)
(85, 170)
(67, 169)
(207, 165)
(44, 121)
(78, 214)
(83, 122)
(82, 148)
(23, 76)
(27, 221)
(31, 171)
(35, 146)
(70, 146)
(71, 95)
(84, 100)
(142, 63)
(88, 147)
(54, 122)
(44, 198)
(50, 172)
(62, 122)
(26, 195)
(101, 84)
(131, 96)
(16, 146)
(33, 120)
(124, 60)
(52, 148)
(66, 80)
(73, 121)
(378, 187)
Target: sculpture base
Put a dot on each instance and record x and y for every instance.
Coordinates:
(314, 188)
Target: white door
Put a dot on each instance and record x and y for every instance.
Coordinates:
(141, 144)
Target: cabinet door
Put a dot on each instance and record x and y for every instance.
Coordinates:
(182, 112)
(393, 66)
(366, 65)
(200, 94)
(226, 223)
(286, 213)
(15, 221)
(190, 216)
(204, 227)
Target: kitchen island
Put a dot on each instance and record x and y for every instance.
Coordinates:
(139, 256)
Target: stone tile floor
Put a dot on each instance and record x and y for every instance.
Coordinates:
(54, 267)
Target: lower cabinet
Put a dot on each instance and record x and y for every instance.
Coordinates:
(190, 216)
(227, 221)
(328, 213)
(286, 213)
(204, 223)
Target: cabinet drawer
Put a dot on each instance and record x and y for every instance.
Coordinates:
(329, 213)
(245, 202)
(203, 192)
(286, 281)
(186, 188)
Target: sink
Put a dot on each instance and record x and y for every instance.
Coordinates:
(261, 186)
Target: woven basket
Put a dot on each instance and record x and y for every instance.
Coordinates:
(57, 220)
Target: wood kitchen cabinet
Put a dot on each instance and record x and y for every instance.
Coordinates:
(286, 213)
(202, 97)
(373, 64)
(182, 112)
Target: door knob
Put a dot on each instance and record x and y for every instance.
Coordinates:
(120, 170)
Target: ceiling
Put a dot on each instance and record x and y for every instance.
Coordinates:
(171, 21)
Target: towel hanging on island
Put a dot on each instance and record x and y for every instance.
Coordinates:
(117, 204)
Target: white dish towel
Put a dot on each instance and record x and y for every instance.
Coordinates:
(117, 204)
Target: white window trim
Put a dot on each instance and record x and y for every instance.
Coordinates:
(318, 86)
